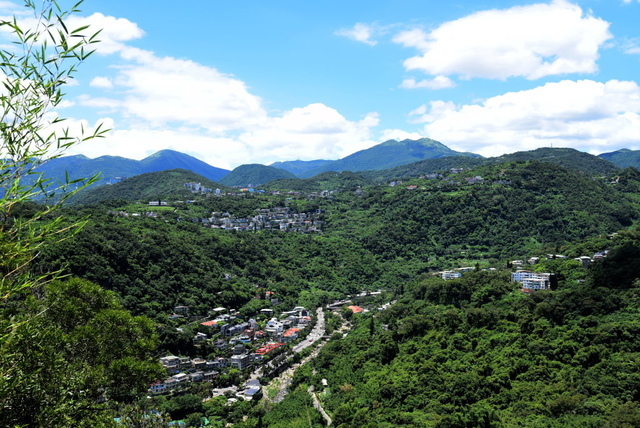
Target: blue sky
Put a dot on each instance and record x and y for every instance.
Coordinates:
(258, 81)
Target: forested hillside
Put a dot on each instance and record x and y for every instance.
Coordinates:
(509, 210)
(473, 351)
(152, 186)
(476, 352)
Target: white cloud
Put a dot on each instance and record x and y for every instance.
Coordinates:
(399, 135)
(312, 132)
(530, 41)
(114, 32)
(586, 115)
(101, 82)
(438, 82)
(360, 32)
(180, 104)
(631, 47)
(10, 7)
(165, 90)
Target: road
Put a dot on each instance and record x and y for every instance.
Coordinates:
(315, 334)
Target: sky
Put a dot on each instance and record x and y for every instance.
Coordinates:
(234, 83)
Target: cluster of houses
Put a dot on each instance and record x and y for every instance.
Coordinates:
(279, 218)
(584, 260)
(238, 337)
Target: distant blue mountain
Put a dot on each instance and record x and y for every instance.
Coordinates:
(114, 168)
(390, 154)
(298, 167)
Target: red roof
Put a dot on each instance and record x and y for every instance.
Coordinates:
(209, 323)
(356, 309)
(291, 332)
(268, 348)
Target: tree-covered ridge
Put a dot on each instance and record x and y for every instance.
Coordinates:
(327, 181)
(512, 208)
(568, 158)
(155, 265)
(623, 158)
(254, 175)
(152, 186)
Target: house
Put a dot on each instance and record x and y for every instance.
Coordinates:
(269, 347)
(209, 376)
(274, 327)
(239, 349)
(584, 260)
(170, 363)
(355, 309)
(182, 310)
(291, 334)
(181, 378)
(196, 376)
(198, 363)
(241, 362)
(158, 387)
(532, 280)
(450, 274)
(251, 393)
(220, 363)
(210, 324)
(199, 337)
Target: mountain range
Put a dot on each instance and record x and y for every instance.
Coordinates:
(385, 161)
(385, 155)
(115, 168)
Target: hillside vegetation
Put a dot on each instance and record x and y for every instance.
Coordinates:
(473, 351)
(254, 175)
(152, 186)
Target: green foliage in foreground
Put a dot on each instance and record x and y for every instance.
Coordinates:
(73, 357)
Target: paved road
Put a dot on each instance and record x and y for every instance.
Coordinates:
(315, 334)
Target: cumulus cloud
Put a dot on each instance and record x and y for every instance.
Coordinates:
(438, 82)
(114, 32)
(201, 110)
(312, 132)
(165, 90)
(360, 32)
(587, 115)
(530, 41)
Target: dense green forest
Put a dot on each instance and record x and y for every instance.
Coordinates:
(93, 295)
(417, 363)
(473, 351)
(476, 352)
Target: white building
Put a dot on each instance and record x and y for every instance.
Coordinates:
(532, 280)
